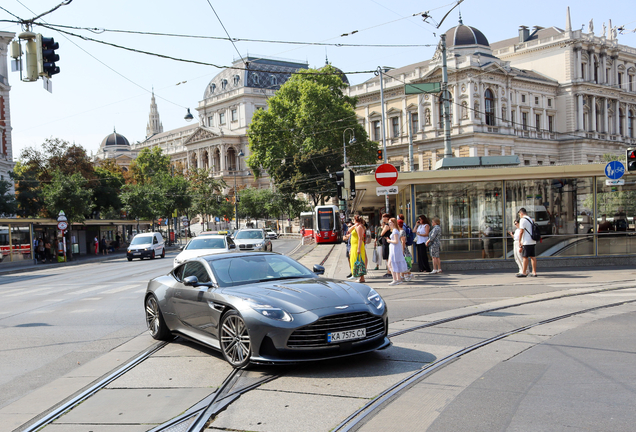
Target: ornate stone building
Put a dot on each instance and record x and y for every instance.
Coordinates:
(229, 102)
(116, 147)
(550, 96)
(6, 153)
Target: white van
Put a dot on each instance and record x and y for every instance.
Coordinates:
(149, 245)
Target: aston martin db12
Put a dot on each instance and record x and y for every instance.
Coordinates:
(261, 307)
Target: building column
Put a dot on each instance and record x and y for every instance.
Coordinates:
(434, 112)
(590, 66)
(223, 157)
(602, 79)
(482, 104)
(592, 112)
(577, 73)
(580, 111)
(605, 116)
(617, 117)
(471, 102)
(456, 106)
(420, 114)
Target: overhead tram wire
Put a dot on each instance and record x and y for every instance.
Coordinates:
(220, 38)
(226, 32)
(95, 58)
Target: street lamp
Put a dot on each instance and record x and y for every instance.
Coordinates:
(240, 155)
(351, 141)
(188, 117)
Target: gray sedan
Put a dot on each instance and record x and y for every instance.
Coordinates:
(252, 239)
(265, 308)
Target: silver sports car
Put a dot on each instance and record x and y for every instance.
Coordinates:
(262, 307)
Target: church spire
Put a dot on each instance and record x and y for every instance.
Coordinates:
(154, 124)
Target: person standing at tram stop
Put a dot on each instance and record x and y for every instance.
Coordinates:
(396, 262)
(527, 247)
(384, 236)
(96, 244)
(422, 229)
(434, 245)
(357, 238)
(516, 236)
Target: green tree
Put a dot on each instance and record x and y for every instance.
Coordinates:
(8, 204)
(109, 179)
(207, 197)
(255, 203)
(28, 191)
(298, 140)
(69, 193)
(150, 162)
(142, 201)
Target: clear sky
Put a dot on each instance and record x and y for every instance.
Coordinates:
(100, 87)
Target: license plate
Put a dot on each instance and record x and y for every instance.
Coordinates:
(136, 253)
(346, 335)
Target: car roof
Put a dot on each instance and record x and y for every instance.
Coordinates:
(207, 236)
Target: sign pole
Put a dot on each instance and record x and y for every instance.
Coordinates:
(386, 198)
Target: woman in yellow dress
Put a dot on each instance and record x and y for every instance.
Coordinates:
(358, 236)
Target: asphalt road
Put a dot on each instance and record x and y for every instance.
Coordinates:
(54, 319)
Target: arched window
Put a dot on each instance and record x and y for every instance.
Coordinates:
(630, 124)
(621, 119)
(595, 70)
(599, 118)
(224, 84)
(231, 159)
(217, 161)
(489, 100)
(212, 87)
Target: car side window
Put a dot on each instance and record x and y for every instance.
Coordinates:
(178, 273)
(154, 240)
(230, 241)
(195, 268)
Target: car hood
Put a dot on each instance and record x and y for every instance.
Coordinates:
(187, 254)
(300, 295)
(140, 246)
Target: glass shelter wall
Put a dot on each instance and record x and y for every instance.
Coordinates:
(616, 217)
(471, 216)
(477, 218)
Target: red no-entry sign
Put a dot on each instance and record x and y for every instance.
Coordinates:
(386, 175)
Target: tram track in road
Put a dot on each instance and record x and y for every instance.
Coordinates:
(239, 382)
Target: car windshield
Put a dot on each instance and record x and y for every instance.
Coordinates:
(206, 243)
(253, 235)
(141, 240)
(243, 270)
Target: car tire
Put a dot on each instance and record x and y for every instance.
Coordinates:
(152, 255)
(129, 259)
(163, 253)
(154, 320)
(235, 340)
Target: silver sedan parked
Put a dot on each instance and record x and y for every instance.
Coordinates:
(265, 308)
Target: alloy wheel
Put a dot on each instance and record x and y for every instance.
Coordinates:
(235, 340)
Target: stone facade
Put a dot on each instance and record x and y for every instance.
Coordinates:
(229, 103)
(6, 151)
(549, 96)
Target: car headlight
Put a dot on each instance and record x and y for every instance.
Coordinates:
(148, 248)
(375, 299)
(271, 312)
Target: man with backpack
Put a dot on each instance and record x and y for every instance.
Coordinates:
(529, 234)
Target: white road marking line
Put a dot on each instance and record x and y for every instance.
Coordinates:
(91, 299)
(82, 310)
(27, 291)
(87, 290)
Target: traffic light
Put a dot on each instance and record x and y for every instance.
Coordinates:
(631, 159)
(340, 182)
(46, 56)
(352, 184)
(380, 155)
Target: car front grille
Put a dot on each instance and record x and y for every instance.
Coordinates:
(246, 246)
(315, 335)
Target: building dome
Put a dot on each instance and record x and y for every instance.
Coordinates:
(114, 139)
(464, 35)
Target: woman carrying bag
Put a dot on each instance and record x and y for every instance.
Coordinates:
(357, 258)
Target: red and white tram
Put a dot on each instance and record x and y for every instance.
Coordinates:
(323, 224)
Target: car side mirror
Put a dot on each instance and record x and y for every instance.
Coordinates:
(319, 270)
(232, 246)
(181, 248)
(191, 281)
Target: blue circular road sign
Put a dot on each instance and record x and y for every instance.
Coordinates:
(614, 170)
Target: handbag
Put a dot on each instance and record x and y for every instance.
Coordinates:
(409, 262)
(359, 269)
(376, 256)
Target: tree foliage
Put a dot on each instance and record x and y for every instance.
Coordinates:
(298, 140)
(150, 162)
(69, 193)
(109, 179)
(8, 204)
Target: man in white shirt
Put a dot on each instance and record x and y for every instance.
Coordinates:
(527, 247)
